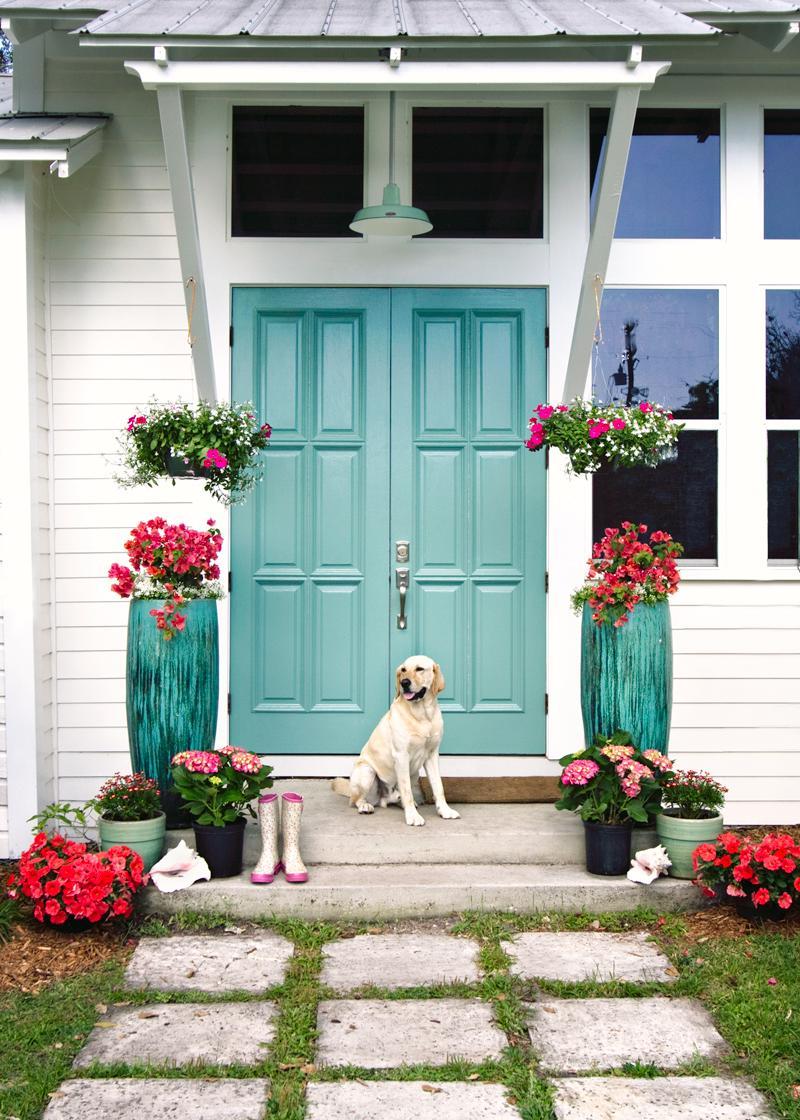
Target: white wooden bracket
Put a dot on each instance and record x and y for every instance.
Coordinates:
(612, 175)
(173, 128)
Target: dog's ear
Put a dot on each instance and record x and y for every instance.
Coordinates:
(438, 679)
(397, 675)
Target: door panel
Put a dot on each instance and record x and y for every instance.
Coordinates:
(471, 501)
(314, 636)
(309, 609)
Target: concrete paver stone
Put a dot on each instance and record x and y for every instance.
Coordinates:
(231, 962)
(663, 1098)
(158, 1099)
(383, 1034)
(587, 956)
(577, 1035)
(399, 960)
(179, 1033)
(407, 1100)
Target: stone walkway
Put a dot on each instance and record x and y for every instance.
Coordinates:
(236, 1019)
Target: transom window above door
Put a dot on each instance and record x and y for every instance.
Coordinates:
(480, 172)
(296, 171)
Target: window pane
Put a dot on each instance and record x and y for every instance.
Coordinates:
(671, 186)
(781, 172)
(296, 172)
(659, 344)
(782, 472)
(783, 355)
(679, 497)
(479, 172)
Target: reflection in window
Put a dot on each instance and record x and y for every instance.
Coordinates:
(782, 484)
(480, 172)
(781, 172)
(660, 345)
(679, 496)
(672, 181)
(296, 172)
(783, 355)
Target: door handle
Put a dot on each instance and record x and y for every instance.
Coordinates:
(401, 581)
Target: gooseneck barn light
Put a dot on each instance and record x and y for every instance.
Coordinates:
(391, 218)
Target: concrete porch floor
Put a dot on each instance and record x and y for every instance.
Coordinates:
(504, 857)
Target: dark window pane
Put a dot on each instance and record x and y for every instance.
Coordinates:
(659, 344)
(783, 355)
(296, 172)
(679, 497)
(671, 186)
(781, 172)
(782, 472)
(479, 172)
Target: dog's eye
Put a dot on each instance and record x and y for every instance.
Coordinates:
(419, 669)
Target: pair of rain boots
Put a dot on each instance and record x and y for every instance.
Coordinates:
(276, 823)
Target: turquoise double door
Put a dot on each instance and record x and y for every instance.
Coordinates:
(399, 419)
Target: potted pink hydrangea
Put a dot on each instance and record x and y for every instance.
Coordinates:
(216, 787)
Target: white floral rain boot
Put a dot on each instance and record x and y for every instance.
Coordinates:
(268, 864)
(293, 867)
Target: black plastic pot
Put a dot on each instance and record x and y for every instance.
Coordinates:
(221, 847)
(178, 467)
(608, 848)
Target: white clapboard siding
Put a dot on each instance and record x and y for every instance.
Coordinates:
(118, 338)
(3, 757)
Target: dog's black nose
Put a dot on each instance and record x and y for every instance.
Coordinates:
(405, 684)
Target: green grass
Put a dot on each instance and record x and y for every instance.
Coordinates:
(9, 914)
(40, 1034)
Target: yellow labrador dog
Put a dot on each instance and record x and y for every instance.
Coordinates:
(406, 739)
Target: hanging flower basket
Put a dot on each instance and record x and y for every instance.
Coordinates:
(593, 435)
(220, 443)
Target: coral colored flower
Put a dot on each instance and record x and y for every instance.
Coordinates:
(761, 897)
(785, 900)
(706, 851)
(734, 891)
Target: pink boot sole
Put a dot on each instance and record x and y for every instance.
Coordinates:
(255, 877)
(302, 878)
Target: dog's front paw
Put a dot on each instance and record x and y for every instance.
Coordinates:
(415, 819)
(365, 807)
(448, 814)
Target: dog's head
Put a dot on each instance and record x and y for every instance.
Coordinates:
(417, 676)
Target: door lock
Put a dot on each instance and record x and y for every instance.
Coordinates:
(401, 552)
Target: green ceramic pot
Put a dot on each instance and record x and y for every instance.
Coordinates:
(172, 692)
(144, 837)
(681, 836)
(626, 677)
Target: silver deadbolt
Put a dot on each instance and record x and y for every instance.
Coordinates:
(401, 552)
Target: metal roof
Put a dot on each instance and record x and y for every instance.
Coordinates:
(356, 19)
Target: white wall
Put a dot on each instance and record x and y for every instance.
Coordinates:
(119, 335)
(3, 755)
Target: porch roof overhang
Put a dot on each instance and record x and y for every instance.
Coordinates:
(66, 142)
(169, 79)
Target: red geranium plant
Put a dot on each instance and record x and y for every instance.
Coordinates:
(625, 570)
(169, 562)
(64, 880)
(766, 871)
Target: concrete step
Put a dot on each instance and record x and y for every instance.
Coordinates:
(377, 892)
(334, 833)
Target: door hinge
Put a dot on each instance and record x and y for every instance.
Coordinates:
(547, 338)
(546, 703)
(230, 582)
(229, 703)
(230, 336)
(546, 582)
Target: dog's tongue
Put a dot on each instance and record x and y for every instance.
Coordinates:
(409, 695)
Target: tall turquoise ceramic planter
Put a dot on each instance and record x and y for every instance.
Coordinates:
(626, 677)
(172, 690)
